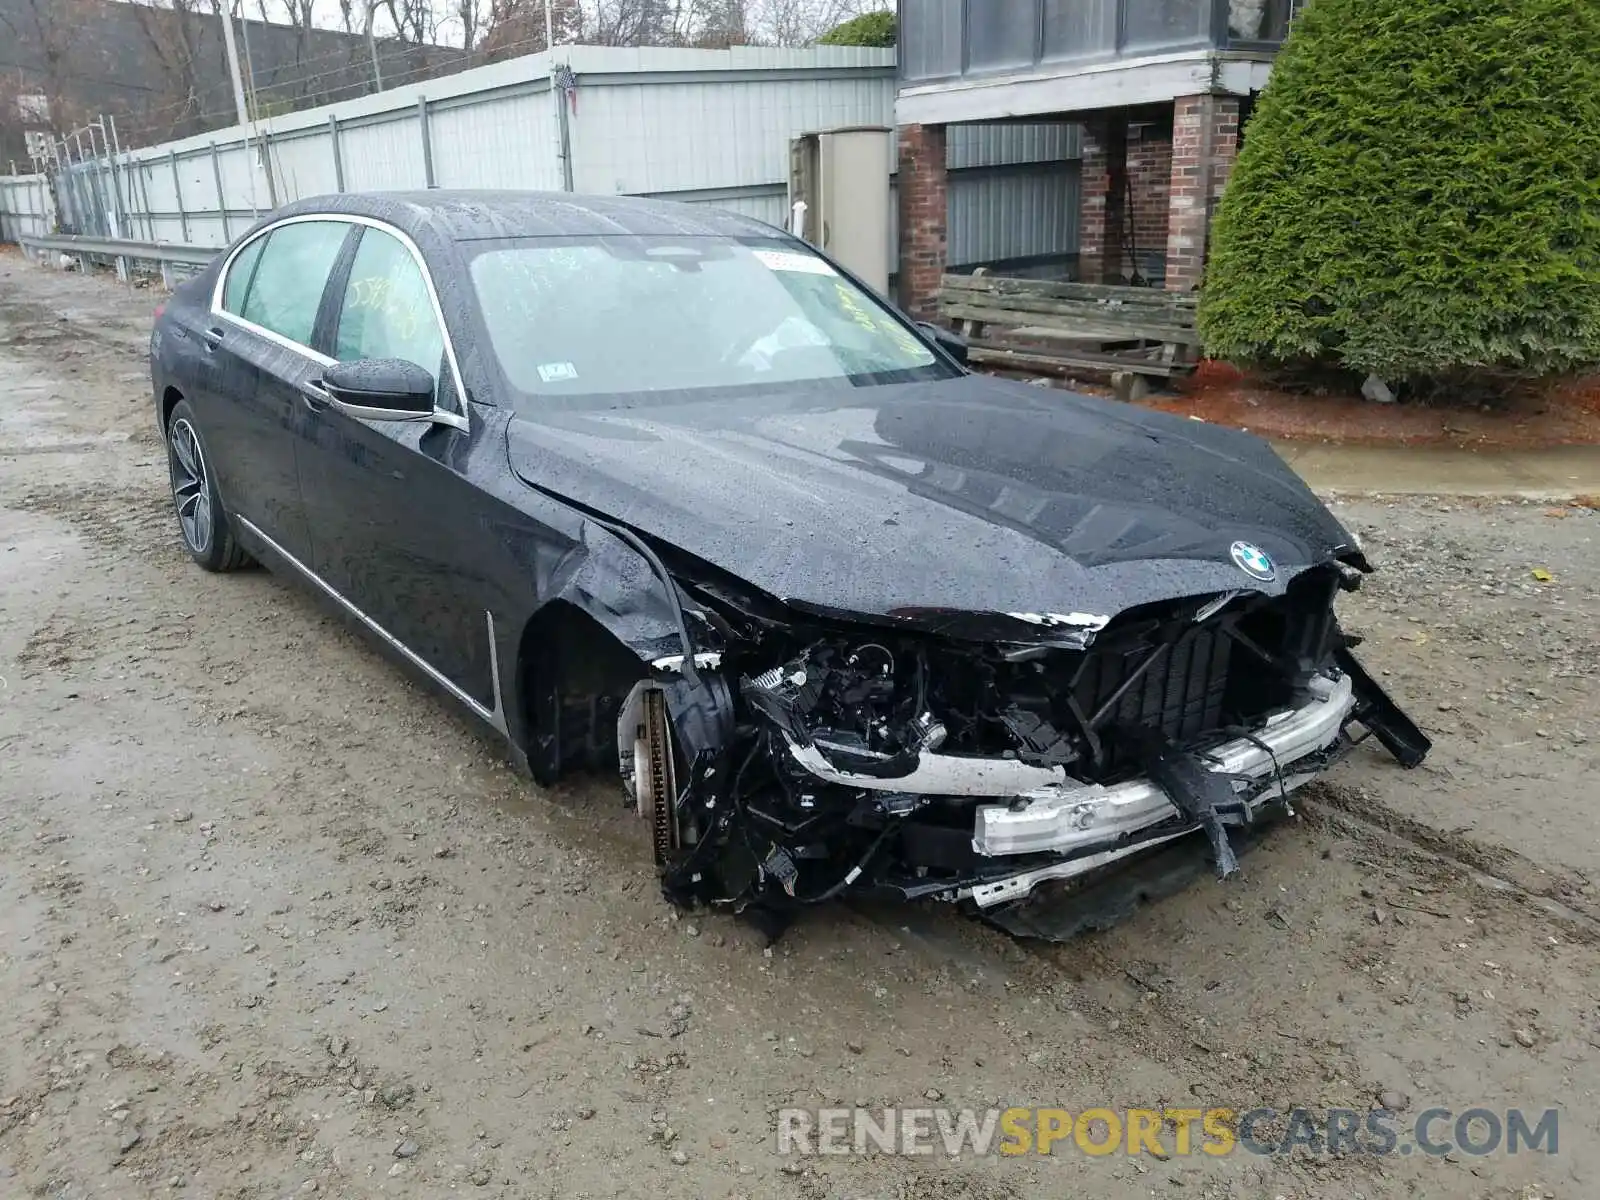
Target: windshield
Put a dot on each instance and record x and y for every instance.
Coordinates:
(602, 316)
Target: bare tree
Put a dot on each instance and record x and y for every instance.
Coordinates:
(514, 27)
(45, 96)
(297, 13)
(801, 22)
(473, 16)
(414, 21)
(725, 23)
(177, 45)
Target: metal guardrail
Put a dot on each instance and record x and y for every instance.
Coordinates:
(167, 255)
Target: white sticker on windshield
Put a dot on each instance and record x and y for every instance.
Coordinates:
(806, 264)
(557, 372)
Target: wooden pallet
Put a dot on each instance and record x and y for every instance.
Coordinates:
(1051, 325)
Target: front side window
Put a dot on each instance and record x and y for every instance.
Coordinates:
(603, 316)
(387, 311)
(287, 289)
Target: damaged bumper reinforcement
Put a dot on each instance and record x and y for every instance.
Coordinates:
(1063, 819)
(1048, 813)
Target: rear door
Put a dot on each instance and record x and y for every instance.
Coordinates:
(260, 338)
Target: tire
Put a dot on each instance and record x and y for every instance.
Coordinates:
(203, 523)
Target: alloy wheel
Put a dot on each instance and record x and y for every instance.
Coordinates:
(191, 489)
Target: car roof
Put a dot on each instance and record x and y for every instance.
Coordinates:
(470, 215)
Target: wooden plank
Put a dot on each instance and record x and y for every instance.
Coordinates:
(1028, 360)
(1090, 328)
(972, 330)
(1175, 317)
(1123, 342)
(1063, 290)
(1177, 312)
(1068, 289)
(1043, 306)
(1102, 355)
(1054, 304)
(1179, 317)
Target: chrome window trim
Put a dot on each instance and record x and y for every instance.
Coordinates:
(495, 717)
(443, 416)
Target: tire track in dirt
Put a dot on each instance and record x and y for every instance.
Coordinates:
(1572, 897)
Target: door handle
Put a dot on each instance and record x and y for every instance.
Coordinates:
(315, 393)
(213, 337)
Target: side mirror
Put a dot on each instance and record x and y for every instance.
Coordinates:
(950, 342)
(381, 389)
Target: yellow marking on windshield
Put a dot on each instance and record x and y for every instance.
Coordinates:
(877, 322)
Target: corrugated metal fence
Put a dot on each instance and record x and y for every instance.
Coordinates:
(691, 125)
(1014, 195)
(26, 206)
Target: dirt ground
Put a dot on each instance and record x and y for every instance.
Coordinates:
(273, 921)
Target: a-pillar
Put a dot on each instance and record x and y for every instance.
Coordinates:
(924, 212)
(1205, 143)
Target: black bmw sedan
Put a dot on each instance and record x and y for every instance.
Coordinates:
(661, 490)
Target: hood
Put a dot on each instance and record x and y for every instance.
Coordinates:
(968, 495)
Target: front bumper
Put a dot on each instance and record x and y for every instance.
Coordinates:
(1089, 826)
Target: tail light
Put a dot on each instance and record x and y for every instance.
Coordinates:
(160, 308)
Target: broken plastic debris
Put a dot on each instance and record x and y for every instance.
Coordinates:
(1090, 621)
(708, 660)
(1542, 575)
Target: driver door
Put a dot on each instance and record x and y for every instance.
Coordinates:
(389, 509)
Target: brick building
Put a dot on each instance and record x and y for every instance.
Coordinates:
(1160, 89)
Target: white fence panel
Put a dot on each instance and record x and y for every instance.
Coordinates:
(384, 156)
(303, 165)
(769, 204)
(503, 142)
(26, 206)
(677, 136)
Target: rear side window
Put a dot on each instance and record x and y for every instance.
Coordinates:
(289, 278)
(240, 275)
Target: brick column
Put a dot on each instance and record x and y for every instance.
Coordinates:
(924, 211)
(1148, 199)
(1205, 143)
(1103, 192)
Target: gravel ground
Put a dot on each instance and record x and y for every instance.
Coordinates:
(277, 922)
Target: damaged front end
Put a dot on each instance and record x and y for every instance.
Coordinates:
(807, 756)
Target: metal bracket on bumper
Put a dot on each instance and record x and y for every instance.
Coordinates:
(1397, 733)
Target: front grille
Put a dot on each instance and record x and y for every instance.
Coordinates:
(1182, 693)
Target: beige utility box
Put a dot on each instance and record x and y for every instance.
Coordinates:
(842, 178)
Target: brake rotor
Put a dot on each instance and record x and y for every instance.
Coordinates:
(654, 775)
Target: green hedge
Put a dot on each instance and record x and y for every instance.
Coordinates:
(1418, 194)
(869, 29)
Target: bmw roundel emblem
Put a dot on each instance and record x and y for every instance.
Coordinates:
(1254, 562)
